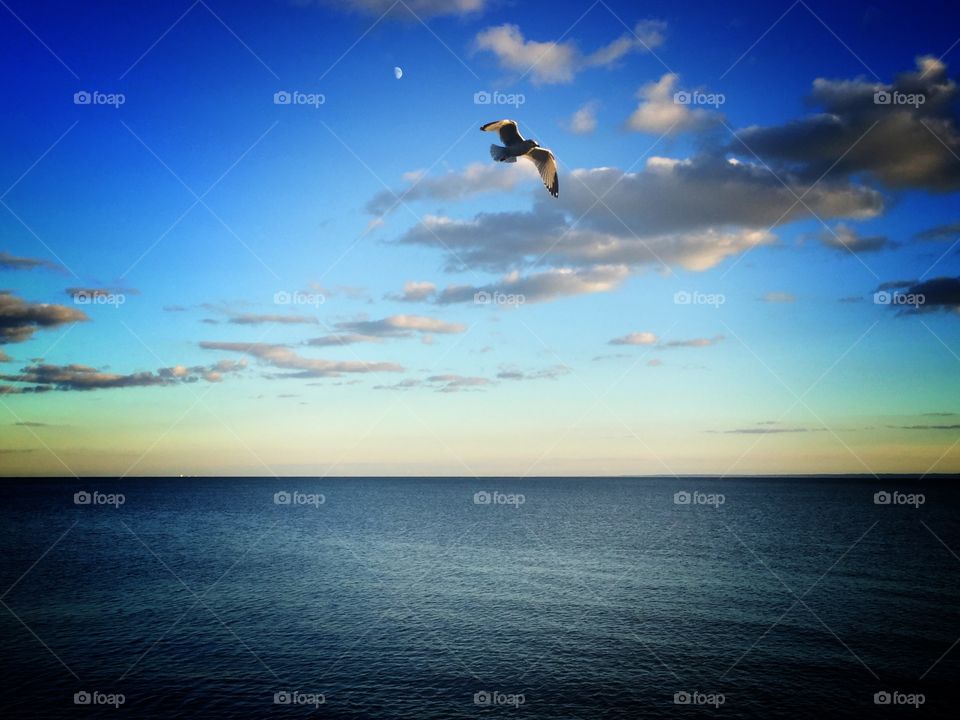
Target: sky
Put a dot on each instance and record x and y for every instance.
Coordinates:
(268, 238)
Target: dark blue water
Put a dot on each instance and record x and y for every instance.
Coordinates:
(401, 598)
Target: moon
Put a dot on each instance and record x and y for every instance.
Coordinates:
(398, 72)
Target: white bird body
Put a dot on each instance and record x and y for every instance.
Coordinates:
(515, 146)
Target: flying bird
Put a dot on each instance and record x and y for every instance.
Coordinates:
(516, 147)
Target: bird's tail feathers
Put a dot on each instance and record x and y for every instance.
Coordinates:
(500, 154)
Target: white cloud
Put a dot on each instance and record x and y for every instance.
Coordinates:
(635, 338)
(415, 291)
(658, 112)
(550, 62)
(584, 120)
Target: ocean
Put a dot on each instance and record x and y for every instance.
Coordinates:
(462, 598)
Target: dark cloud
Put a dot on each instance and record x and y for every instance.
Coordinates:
(44, 377)
(692, 213)
(912, 297)
(20, 319)
(900, 144)
(12, 262)
(950, 231)
(955, 426)
(845, 238)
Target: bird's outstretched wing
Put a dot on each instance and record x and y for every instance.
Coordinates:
(509, 134)
(547, 166)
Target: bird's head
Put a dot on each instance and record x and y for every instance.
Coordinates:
(535, 143)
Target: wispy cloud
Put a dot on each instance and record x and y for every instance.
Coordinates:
(778, 296)
(395, 326)
(284, 358)
(255, 319)
(551, 62)
(650, 339)
(13, 262)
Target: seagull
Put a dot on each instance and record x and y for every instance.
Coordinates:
(516, 147)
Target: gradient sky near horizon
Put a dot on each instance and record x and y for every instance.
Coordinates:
(764, 279)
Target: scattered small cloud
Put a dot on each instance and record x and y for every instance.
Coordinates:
(845, 238)
(775, 296)
(651, 340)
(584, 120)
(395, 326)
(940, 233)
(415, 291)
(635, 338)
(550, 373)
(13, 262)
(255, 319)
